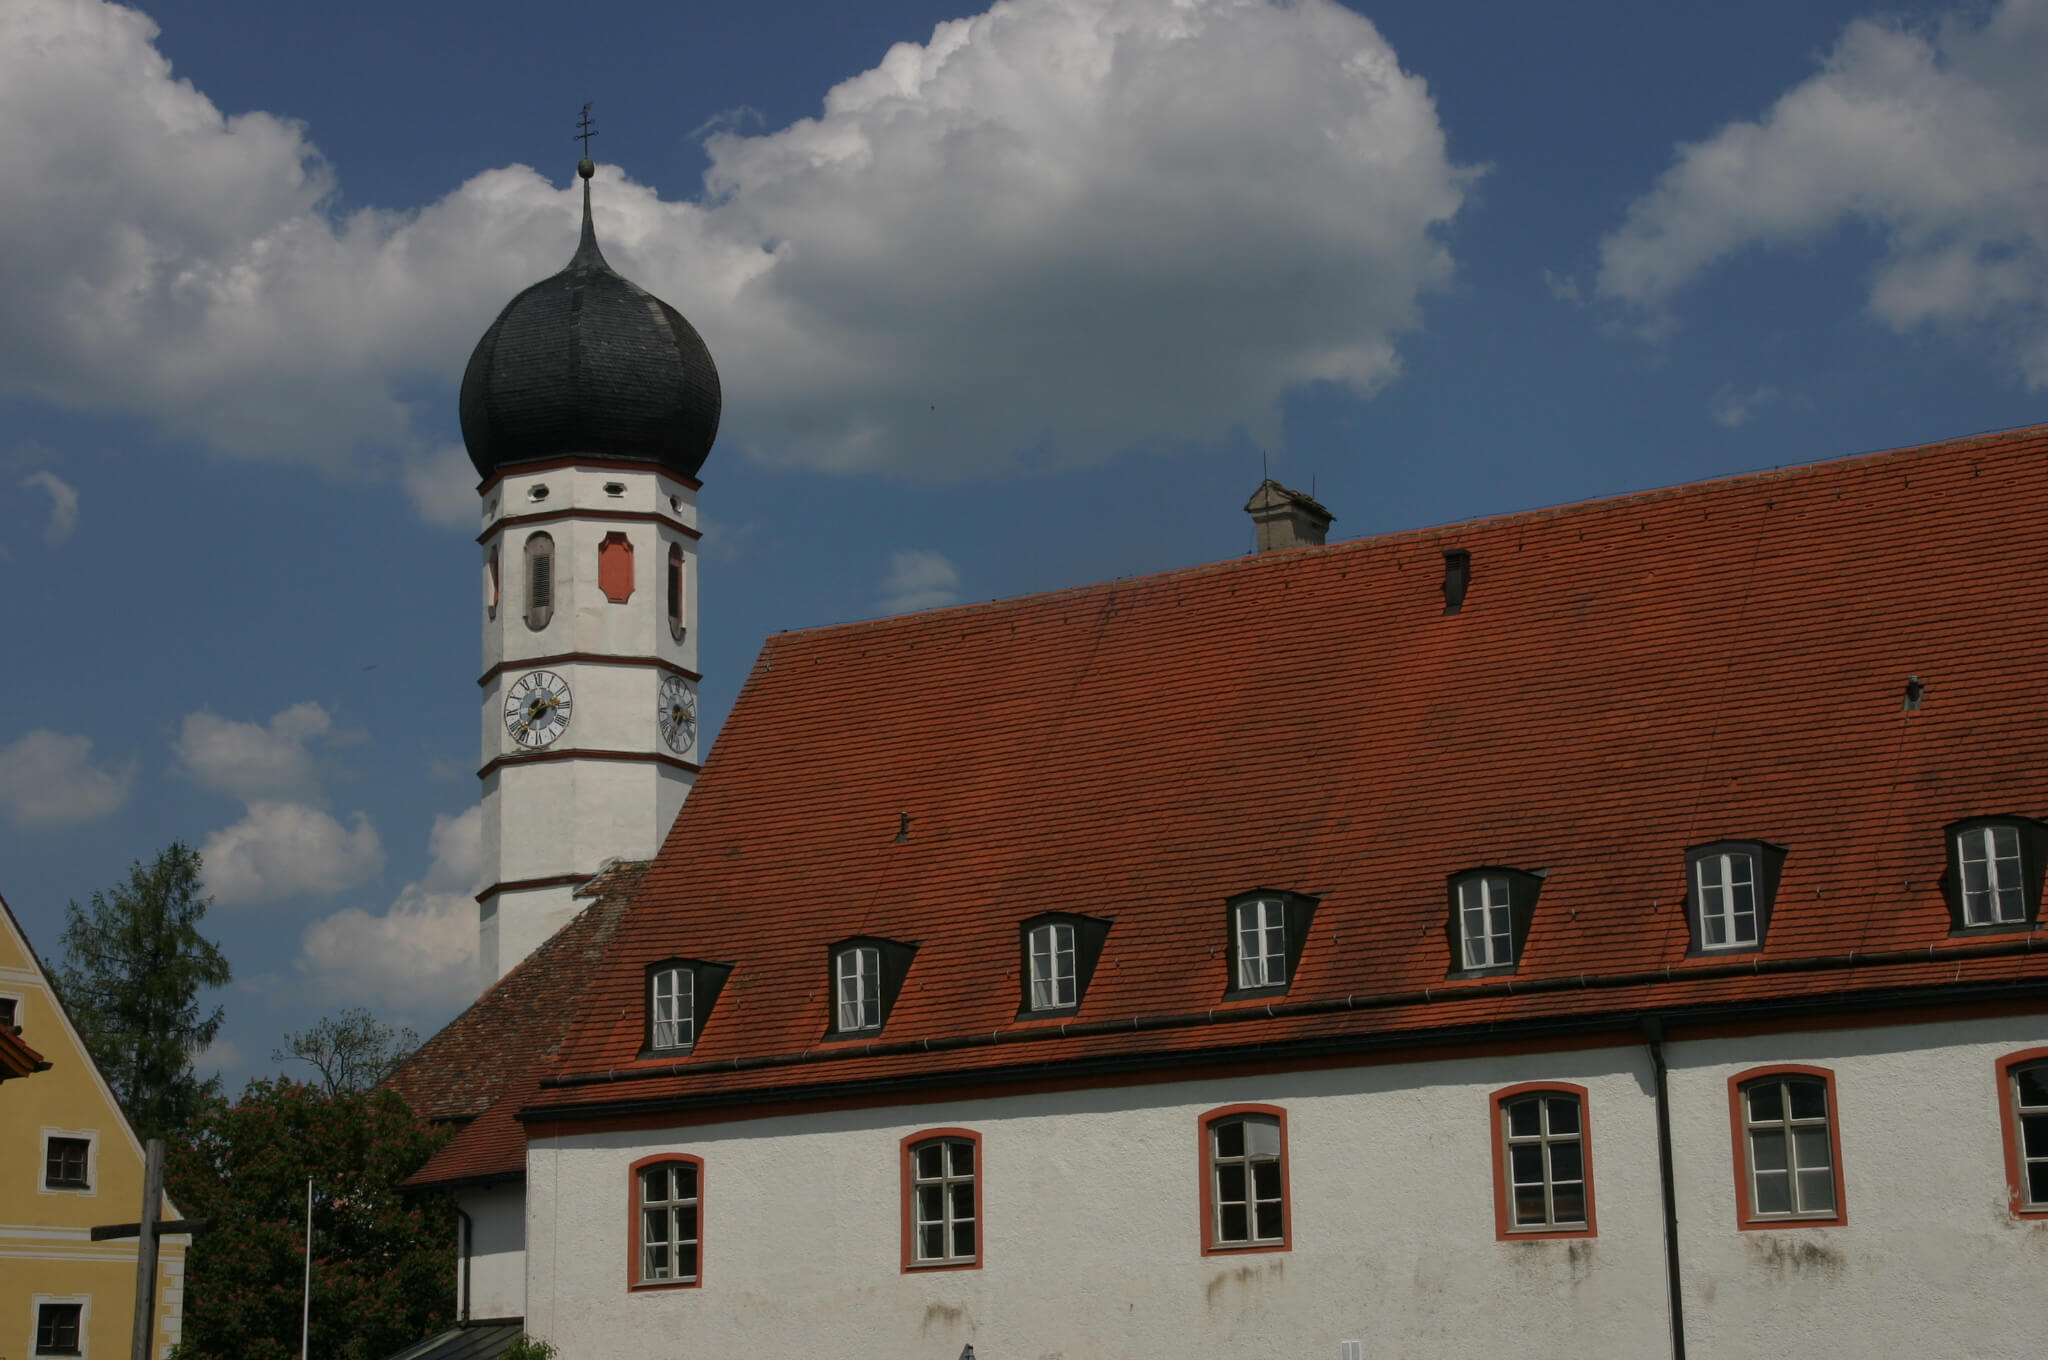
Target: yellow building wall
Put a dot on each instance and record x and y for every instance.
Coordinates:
(46, 1254)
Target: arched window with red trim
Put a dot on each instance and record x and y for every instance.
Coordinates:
(2023, 1120)
(1788, 1148)
(942, 1221)
(665, 1250)
(1542, 1161)
(1244, 1179)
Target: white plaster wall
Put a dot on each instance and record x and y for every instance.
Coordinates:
(517, 922)
(1093, 1244)
(569, 816)
(497, 1261)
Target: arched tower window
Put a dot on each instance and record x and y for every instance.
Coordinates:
(675, 591)
(540, 580)
(491, 584)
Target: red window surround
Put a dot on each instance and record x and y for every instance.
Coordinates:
(1206, 1170)
(2008, 1127)
(1503, 1221)
(615, 567)
(1745, 1216)
(633, 1280)
(910, 1262)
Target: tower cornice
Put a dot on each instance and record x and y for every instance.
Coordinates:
(584, 658)
(589, 512)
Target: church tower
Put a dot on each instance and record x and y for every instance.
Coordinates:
(587, 407)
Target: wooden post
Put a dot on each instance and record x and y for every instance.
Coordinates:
(145, 1252)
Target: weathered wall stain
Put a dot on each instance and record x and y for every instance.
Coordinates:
(1796, 1256)
(942, 1315)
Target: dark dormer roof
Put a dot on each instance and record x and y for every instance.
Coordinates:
(589, 363)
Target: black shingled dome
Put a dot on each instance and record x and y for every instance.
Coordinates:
(589, 363)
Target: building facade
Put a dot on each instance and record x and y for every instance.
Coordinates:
(1612, 930)
(68, 1162)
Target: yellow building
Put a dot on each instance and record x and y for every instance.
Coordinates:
(68, 1161)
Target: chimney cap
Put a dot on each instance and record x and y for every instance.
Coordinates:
(1286, 518)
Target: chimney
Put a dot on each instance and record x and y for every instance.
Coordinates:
(1287, 519)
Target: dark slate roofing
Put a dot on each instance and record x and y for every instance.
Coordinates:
(1626, 679)
(475, 1341)
(487, 1053)
(589, 363)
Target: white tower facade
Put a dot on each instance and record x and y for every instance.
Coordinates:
(587, 408)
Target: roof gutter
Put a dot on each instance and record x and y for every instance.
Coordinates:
(1754, 965)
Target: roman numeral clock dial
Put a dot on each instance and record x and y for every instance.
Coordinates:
(537, 708)
(676, 714)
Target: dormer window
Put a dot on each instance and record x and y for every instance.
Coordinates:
(1994, 872)
(1730, 890)
(1267, 930)
(680, 993)
(1060, 951)
(1490, 914)
(866, 976)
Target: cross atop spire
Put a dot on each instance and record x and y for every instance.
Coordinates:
(585, 130)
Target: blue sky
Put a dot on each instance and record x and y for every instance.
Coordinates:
(1004, 300)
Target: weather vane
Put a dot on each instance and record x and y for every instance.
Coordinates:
(585, 130)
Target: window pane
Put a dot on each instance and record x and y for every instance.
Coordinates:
(2005, 842)
(963, 1239)
(1717, 926)
(1529, 1205)
(1525, 1118)
(2034, 1135)
(654, 1183)
(2032, 1083)
(1810, 1148)
(1041, 994)
(931, 1242)
(686, 1260)
(1816, 1191)
(1809, 1099)
(2037, 1183)
(1767, 1149)
(1230, 1182)
(963, 1157)
(1566, 1163)
(1766, 1101)
(1773, 1193)
(1564, 1114)
(1265, 1137)
(686, 1223)
(1230, 1138)
(963, 1198)
(1570, 1202)
(2010, 905)
(931, 1203)
(1266, 1180)
(655, 1267)
(1526, 1163)
(1234, 1224)
(928, 1160)
(1269, 1222)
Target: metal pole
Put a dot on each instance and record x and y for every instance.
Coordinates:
(306, 1307)
(145, 1250)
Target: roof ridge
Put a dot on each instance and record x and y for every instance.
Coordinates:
(2011, 434)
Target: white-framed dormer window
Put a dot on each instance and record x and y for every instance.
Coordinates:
(1261, 927)
(1485, 923)
(1993, 891)
(672, 1010)
(1726, 883)
(858, 970)
(1052, 966)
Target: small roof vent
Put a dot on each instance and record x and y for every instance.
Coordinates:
(1285, 520)
(1457, 576)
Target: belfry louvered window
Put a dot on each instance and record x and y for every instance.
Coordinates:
(540, 580)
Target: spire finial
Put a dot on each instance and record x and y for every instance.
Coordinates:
(587, 252)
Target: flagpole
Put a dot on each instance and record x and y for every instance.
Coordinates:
(306, 1308)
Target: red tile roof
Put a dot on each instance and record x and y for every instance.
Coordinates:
(489, 1056)
(1626, 679)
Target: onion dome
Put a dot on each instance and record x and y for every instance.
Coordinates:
(590, 364)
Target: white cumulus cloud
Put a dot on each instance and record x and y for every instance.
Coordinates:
(63, 505)
(1936, 138)
(48, 779)
(1056, 228)
(284, 850)
(919, 579)
(419, 954)
(254, 760)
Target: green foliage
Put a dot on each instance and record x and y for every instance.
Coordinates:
(528, 1348)
(133, 967)
(354, 1053)
(383, 1261)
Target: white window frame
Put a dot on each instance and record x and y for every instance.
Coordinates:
(1717, 899)
(1054, 983)
(2022, 1111)
(1546, 1140)
(2004, 881)
(857, 990)
(1253, 1199)
(91, 1139)
(1483, 901)
(944, 1185)
(680, 998)
(670, 1207)
(37, 1302)
(1258, 925)
(1798, 1166)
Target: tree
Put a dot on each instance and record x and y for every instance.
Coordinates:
(133, 967)
(353, 1053)
(383, 1260)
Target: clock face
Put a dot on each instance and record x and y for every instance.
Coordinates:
(537, 708)
(676, 714)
